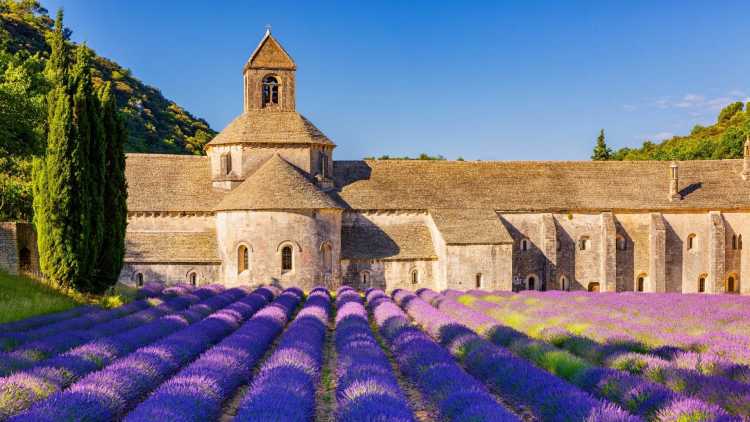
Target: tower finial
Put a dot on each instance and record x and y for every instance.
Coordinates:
(674, 182)
(746, 159)
(268, 29)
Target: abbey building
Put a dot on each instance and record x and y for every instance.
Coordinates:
(270, 204)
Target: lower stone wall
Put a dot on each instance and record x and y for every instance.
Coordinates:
(389, 275)
(8, 248)
(170, 273)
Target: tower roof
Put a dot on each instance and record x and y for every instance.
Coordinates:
(276, 185)
(269, 54)
(262, 127)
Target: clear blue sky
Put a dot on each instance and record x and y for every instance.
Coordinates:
(483, 80)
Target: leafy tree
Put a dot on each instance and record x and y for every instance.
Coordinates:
(601, 151)
(729, 111)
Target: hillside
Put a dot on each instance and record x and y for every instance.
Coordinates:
(723, 139)
(155, 124)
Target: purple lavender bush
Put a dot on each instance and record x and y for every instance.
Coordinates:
(549, 397)
(21, 390)
(36, 351)
(197, 392)
(285, 387)
(367, 389)
(108, 394)
(457, 395)
(150, 289)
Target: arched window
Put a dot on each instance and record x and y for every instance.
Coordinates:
(594, 287)
(564, 284)
(622, 243)
(739, 242)
(584, 243)
(226, 163)
(270, 90)
(414, 277)
(640, 283)
(327, 256)
(702, 284)
(365, 279)
(243, 259)
(731, 284)
(24, 259)
(691, 242)
(531, 283)
(734, 242)
(524, 245)
(139, 279)
(193, 279)
(286, 259)
(478, 281)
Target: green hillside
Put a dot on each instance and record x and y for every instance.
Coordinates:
(155, 124)
(723, 139)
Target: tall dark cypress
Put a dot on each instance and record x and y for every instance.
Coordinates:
(56, 179)
(115, 193)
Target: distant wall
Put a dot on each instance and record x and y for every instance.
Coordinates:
(170, 273)
(18, 248)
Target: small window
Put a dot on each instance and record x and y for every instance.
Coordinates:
(564, 284)
(622, 243)
(702, 284)
(323, 165)
(734, 242)
(286, 259)
(531, 283)
(365, 276)
(640, 284)
(739, 242)
(415, 277)
(478, 281)
(524, 245)
(584, 243)
(139, 279)
(327, 256)
(193, 279)
(594, 287)
(270, 91)
(226, 163)
(730, 284)
(691, 242)
(243, 259)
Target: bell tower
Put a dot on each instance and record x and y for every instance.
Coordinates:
(269, 77)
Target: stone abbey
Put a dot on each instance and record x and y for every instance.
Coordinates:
(269, 204)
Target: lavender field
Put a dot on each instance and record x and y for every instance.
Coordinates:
(216, 354)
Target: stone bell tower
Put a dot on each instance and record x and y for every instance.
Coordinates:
(269, 77)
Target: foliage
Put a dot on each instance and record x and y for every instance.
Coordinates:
(601, 151)
(722, 140)
(422, 156)
(153, 123)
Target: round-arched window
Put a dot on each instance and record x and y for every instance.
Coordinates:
(270, 90)
(193, 279)
(414, 277)
(286, 259)
(243, 259)
(365, 279)
(139, 279)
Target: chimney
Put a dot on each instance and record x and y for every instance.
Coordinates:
(746, 159)
(674, 183)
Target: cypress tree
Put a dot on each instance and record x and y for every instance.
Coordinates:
(56, 179)
(115, 193)
(601, 150)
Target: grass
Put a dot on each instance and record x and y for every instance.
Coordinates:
(23, 297)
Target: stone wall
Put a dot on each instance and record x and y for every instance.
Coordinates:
(247, 158)
(18, 248)
(8, 248)
(265, 233)
(492, 264)
(389, 274)
(170, 273)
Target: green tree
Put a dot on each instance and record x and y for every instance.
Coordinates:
(115, 193)
(601, 151)
(729, 111)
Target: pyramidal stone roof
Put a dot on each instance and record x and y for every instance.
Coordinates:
(265, 127)
(269, 54)
(276, 185)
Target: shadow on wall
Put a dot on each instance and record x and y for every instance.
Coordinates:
(687, 190)
(673, 261)
(625, 258)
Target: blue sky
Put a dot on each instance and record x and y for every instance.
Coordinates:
(491, 80)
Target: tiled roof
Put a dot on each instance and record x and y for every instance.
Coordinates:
(159, 182)
(270, 127)
(470, 226)
(540, 185)
(387, 242)
(276, 185)
(174, 247)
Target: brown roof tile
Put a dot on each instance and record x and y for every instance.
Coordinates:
(540, 185)
(171, 247)
(387, 242)
(470, 226)
(158, 182)
(276, 185)
(270, 127)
